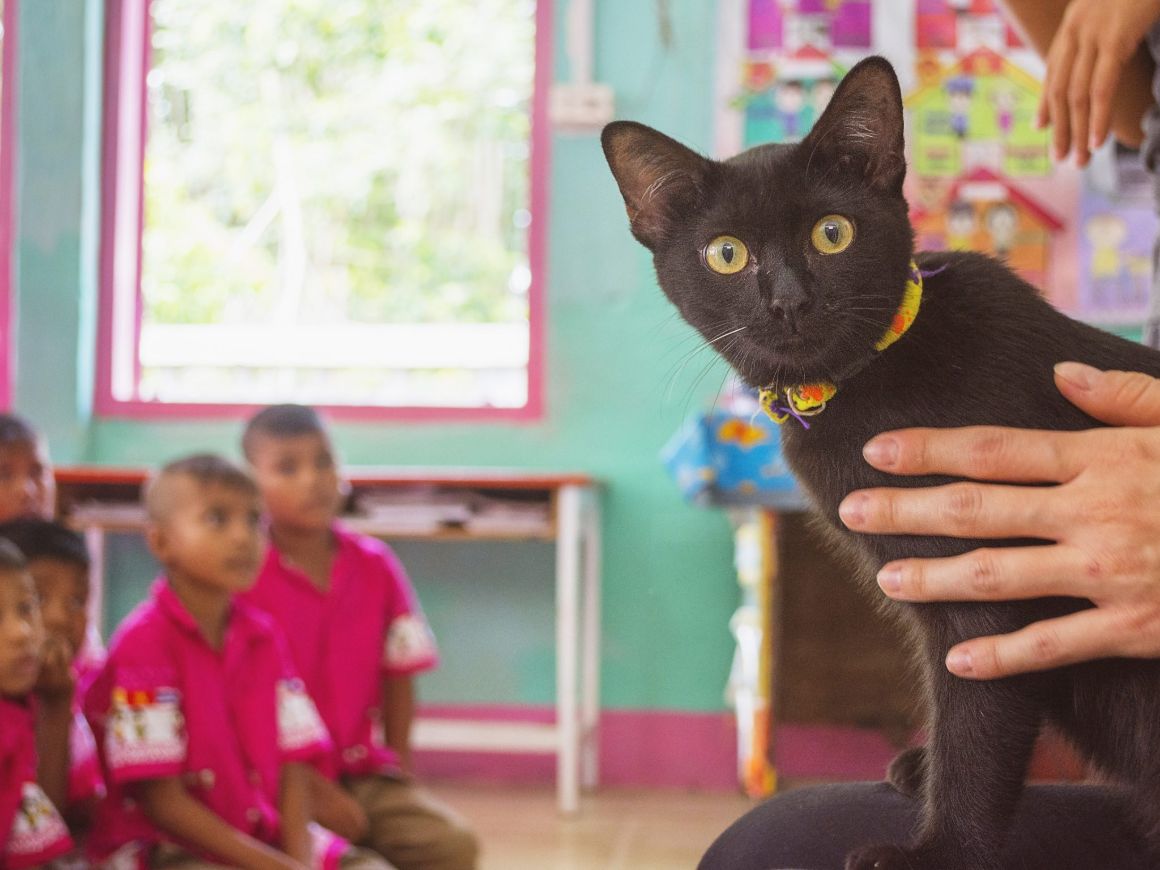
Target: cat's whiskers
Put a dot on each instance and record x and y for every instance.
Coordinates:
(688, 357)
(684, 340)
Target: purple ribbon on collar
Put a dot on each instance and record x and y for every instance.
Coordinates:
(930, 273)
(782, 407)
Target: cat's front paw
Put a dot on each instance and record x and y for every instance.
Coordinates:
(881, 857)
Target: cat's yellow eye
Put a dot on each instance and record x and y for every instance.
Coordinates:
(726, 254)
(832, 234)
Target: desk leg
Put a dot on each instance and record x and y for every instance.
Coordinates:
(95, 545)
(590, 677)
(568, 531)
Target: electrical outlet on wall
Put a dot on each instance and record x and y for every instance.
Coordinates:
(581, 107)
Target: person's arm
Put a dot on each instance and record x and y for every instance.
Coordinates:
(1099, 73)
(1101, 514)
(169, 806)
(398, 713)
(54, 692)
(335, 808)
(294, 812)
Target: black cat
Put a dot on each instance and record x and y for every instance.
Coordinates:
(802, 255)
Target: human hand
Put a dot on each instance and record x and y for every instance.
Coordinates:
(336, 810)
(1094, 42)
(57, 681)
(1102, 515)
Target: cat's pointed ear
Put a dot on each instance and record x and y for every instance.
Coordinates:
(862, 127)
(658, 177)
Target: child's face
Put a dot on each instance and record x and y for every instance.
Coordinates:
(298, 480)
(210, 535)
(21, 633)
(63, 588)
(27, 487)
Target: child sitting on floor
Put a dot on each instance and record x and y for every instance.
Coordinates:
(59, 564)
(357, 636)
(203, 726)
(31, 830)
(28, 490)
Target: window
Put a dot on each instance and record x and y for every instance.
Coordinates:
(337, 202)
(7, 205)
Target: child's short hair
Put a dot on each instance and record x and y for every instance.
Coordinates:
(205, 468)
(281, 421)
(11, 559)
(44, 539)
(17, 430)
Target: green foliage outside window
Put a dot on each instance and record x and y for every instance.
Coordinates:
(334, 161)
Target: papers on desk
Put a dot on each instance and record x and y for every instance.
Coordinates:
(112, 514)
(386, 511)
(417, 510)
(423, 510)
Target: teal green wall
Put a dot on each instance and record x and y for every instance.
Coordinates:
(612, 350)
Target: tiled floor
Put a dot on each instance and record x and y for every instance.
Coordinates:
(615, 830)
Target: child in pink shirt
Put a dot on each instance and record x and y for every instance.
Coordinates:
(357, 635)
(203, 726)
(70, 773)
(59, 564)
(31, 830)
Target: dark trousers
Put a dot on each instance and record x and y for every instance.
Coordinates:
(1056, 827)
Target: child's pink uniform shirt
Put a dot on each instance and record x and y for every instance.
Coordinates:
(225, 721)
(345, 640)
(31, 830)
(84, 765)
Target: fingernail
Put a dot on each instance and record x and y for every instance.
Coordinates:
(959, 662)
(853, 510)
(1080, 376)
(881, 452)
(890, 579)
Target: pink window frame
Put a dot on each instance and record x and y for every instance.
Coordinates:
(8, 140)
(127, 57)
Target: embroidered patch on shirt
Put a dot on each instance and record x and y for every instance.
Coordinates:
(409, 643)
(38, 830)
(145, 727)
(299, 724)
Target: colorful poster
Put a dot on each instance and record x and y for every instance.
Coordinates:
(962, 26)
(985, 212)
(1115, 255)
(826, 24)
(979, 112)
(783, 99)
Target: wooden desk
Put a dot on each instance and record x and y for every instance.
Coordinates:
(574, 509)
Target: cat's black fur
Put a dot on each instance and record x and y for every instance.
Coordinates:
(981, 351)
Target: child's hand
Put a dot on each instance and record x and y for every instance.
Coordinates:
(1094, 42)
(336, 809)
(57, 681)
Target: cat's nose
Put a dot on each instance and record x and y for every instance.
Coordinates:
(788, 308)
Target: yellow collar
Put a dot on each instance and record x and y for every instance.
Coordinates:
(808, 400)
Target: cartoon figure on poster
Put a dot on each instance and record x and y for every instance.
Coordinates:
(961, 226)
(1115, 259)
(1002, 223)
(959, 91)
